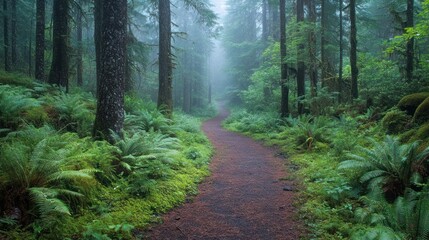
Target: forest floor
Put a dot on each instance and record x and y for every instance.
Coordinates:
(248, 195)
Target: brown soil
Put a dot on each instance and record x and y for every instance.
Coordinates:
(244, 198)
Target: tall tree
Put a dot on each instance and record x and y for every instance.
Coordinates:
(300, 75)
(98, 15)
(353, 50)
(6, 35)
(410, 43)
(40, 41)
(111, 88)
(312, 45)
(284, 107)
(13, 33)
(60, 54)
(79, 52)
(264, 20)
(165, 92)
(340, 65)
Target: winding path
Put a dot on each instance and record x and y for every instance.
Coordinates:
(244, 198)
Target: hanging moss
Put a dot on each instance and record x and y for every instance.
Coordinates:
(423, 132)
(421, 114)
(410, 102)
(395, 121)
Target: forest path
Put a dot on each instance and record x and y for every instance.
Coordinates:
(244, 198)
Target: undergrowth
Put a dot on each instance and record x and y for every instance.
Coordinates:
(356, 182)
(61, 184)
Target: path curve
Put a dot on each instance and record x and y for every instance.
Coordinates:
(243, 199)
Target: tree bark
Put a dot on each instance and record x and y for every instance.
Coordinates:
(312, 48)
(353, 50)
(13, 35)
(165, 97)
(60, 54)
(300, 75)
(340, 65)
(284, 107)
(79, 67)
(410, 43)
(264, 20)
(40, 41)
(6, 36)
(98, 14)
(110, 107)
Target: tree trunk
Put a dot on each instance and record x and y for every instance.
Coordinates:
(110, 107)
(165, 98)
(60, 54)
(264, 20)
(323, 44)
(40, 41)
(353, 50)
(312, 48)
(300, 75)
(340, 65)
(13, 35)
(6, 36)
(79, 70)
(98, 14)
(410, 43)
(284, 107)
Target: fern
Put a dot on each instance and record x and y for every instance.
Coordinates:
(13, 102)
(388, 165)
(39, 177)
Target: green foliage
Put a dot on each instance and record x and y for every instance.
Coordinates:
(14, 101)
(411, 102)
(38, 178)
(388, 165)
(254, 123)
(72, 112)
(380, 81)
(15, 79)
(395, 121)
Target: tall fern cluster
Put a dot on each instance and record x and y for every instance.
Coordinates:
(57, 182)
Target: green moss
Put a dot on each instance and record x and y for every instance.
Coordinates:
(16, 79)
(422, 112)
(395, 121)
(422, 133)
(410, 102)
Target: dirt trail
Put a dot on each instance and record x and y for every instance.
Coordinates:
(244, 198)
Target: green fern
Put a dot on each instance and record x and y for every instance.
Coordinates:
(13, 102)
(388, 165)
(38, 178)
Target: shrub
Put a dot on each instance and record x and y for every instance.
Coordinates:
(411, 102)
(395, 121)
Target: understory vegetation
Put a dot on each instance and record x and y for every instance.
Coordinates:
(365, 175)
(58, 183)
